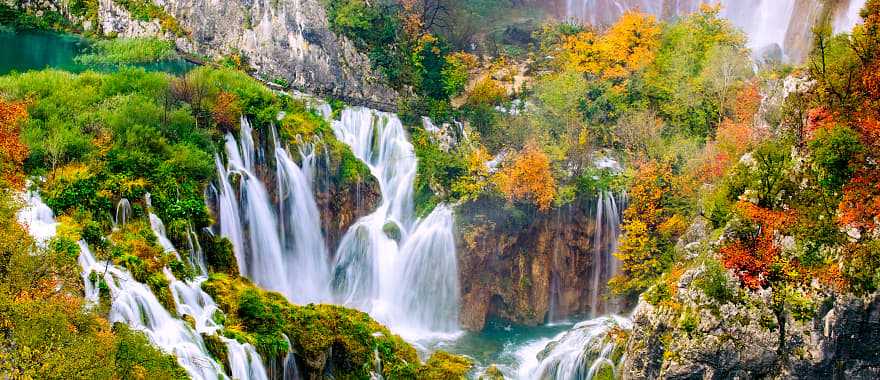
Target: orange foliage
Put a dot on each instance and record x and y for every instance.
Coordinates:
(752, 257)
(528, 177)
(226, 111)
(12, 151)
(628, 46)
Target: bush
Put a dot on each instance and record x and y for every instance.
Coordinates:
(128, 51)
(714, 282)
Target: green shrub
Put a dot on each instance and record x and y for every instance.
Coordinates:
(128, 51)
(714, 282)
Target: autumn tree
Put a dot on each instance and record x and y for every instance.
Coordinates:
(649, 227)
(528, 177)
(12, 151)
(226, 111)
(629, 46)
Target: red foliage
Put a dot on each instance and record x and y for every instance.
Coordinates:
(12, 151)
(751, 257)
(860, 207)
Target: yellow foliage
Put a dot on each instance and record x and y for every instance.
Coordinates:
(629, 46)
(487, 91)
(528, 177)
(470, 186)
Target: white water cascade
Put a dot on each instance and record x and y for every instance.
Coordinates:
(401, 270)
(279, 247)
(581, 353)
(605, 264)
(134, 304)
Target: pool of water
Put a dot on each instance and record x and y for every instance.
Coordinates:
(513, 349)
(37, 50)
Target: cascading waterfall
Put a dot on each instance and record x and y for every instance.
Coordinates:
(300, 225)
(280, 248)
(37, 218)
(402, 271)
(582, 353)
(134, 304)
(250, 219)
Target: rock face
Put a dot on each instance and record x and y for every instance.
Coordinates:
(116, 20)
(525, 266)
(342, 204)
(693, 336)
(283, 41)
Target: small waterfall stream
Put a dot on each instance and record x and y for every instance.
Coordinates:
(134, 304)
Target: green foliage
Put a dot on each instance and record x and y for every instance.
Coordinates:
(20, 18)
(313, 330)
(444, 366)
(833, 151)
(219, 255)
(128, 51)
(137, 358)
(436, 172)
(714, 282)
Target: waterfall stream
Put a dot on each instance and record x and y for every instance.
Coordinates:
(134, 304)
(400, 269)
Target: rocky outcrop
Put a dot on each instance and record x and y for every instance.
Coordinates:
(117, 21)
(692, 336)
(525, 266)
(342, 203)
(286, 41)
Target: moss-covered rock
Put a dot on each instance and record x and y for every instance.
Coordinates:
(326, 339)
(445, 366)
(492, 373)
(218, 350)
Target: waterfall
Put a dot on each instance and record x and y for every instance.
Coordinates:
(280, 247)
(401, 270)
(849, 17)
(582, 353)
(766, 22)
(135, 305)
(123, 213)
(301, 229)
(37, 218)
(605, 265)
(251, 216)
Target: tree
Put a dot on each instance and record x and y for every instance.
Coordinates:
(12, 151)
(527, 176)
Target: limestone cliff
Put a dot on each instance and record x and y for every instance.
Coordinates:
(283, 41)
(695, 336)
(526, 266)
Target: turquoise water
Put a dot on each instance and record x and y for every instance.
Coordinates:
(35, 50)
(511, 348)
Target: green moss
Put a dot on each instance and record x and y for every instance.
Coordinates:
(261, 317)
(445, 366)
(219, 254)
(217, 348)
(492, 373)
(137, 358)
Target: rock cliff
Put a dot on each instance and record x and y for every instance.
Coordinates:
(525, 266)
(694, 336)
